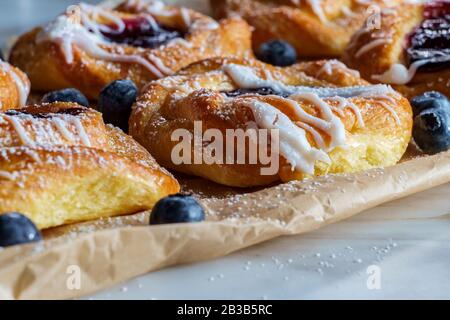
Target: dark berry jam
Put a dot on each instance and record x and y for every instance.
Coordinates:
(263, 91)
(139, 32)
(431, 40)
(38, 115)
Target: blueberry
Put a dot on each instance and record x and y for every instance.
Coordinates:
(277, 52)
(2, 57)
(177, 208)
(66, 95)
(115, 102)
(428, 100)
(15, 228)
(431, 130)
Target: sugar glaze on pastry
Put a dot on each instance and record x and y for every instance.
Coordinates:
(411, 50)
(323, 128)
(14, 87)
(316, 28)
(59, 163)
(89, 46)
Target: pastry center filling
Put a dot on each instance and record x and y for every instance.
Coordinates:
(142, 32)
(430, 42)
(263, 91)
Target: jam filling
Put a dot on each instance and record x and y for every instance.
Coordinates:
(431, 40)
(139, 32)
(263, 91)
(70, 111)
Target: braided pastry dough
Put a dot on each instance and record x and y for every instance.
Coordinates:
(316, 28)
(14, 87)
(90, 46)
(386, 47)
(323, 128)
(60, 164)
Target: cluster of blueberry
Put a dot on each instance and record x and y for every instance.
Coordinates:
(16, 228)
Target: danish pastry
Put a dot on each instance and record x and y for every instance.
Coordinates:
(410, 50)
(316, 28)
(90, 46)
(14, 87)
(60, 164)
(322, 127)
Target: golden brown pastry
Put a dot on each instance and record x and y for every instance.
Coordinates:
(60, 164)
(328, 120)
(14, 87)
(410, 50)
(90, 46)
(316, 28)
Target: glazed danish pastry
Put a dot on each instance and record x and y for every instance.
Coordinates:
(410, 50)
(14, 87)
(316, 28)
(60, 164)
(322, 127)
(90, 46)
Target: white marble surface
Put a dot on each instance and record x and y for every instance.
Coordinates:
(408, 240)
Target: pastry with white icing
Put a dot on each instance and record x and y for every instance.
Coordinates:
(14, 87)
(325, 122)
(59, 164)
(89, 46)
(410, 50)
(316, 28)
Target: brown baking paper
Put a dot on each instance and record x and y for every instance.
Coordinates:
(113, 250)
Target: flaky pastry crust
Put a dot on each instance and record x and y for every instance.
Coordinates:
(60, 164)
(317, 29)
(14, 87)
(49, 67)
(374, 51)
(197, 93)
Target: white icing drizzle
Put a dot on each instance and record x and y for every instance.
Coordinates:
(345, 103)
(67, 31)
(328, 123)
(316, 135)
(152, 21)
(244, 77)
(89, 15)
(23, 88)
(329, 66)
(316, 7)
(371, 45)
(60, 125)
(8, 175)
(186, 17)
(43, 132)
(82, 133)
(399, 74)
(21, 132)
(160, 65)
(294, 145)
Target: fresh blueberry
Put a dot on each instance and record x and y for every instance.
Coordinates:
(277, 52)
(177, 208)
(15, 228)
(115, 102)
(429, 100)
(2, 57)
(66, 95)
(431, 130)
